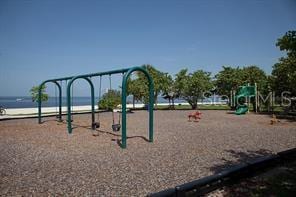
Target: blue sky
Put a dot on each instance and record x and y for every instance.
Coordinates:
(47, 39)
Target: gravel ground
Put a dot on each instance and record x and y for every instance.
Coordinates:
(42, 160)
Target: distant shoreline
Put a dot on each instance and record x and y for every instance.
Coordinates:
(26, 101)
(12, 112)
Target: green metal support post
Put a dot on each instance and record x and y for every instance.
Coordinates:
(39, 99)
(69, 114)
(123, 102)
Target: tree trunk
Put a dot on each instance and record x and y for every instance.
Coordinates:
(254, 106)
(230, 100)
(193, 105)
(173, 103)
(134, 100)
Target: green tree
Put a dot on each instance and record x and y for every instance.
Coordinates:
(110, 100)
(34, 93)
(228, 79)
(169, 90)
(254, 74)
(191, 87)
(284, 72)
(288, 43)
(135, 88)
(158, 79)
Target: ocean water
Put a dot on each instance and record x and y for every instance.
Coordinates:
(26, 101)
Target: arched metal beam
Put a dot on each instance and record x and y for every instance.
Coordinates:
(39, 99)
(69, 101)
(123, 102)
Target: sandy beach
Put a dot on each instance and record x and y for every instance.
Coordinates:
(33, 112)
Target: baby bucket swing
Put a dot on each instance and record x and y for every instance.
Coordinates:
(97, 124)
(115, 126)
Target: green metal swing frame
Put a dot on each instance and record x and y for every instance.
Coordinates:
(127, 72)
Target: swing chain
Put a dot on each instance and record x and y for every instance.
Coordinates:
(115, 127)
(55, 98)
(97, 124)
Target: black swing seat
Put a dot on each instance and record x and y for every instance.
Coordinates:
(96, 125)
(59, 118)
(116, 127)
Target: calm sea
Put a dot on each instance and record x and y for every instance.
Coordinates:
(26, 102)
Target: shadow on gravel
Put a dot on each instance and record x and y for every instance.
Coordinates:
(118, 141)
(76, 126)
(119, 135)
(240, 158)
(50, 120)
(288, 118)
(278, 181)
(281, 116)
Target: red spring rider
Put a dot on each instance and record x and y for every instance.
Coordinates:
(194, 115)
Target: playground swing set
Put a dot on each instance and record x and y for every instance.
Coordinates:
(116, 126)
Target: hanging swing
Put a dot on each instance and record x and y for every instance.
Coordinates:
(97, 124)
(115, 126)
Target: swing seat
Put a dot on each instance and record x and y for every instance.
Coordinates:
(59, 118)
(116, 127)
(96, 125)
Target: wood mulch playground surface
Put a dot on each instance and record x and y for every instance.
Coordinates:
(42, 159)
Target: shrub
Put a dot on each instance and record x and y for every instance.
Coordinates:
(110, 100)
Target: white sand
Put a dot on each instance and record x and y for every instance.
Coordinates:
(33, 112)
